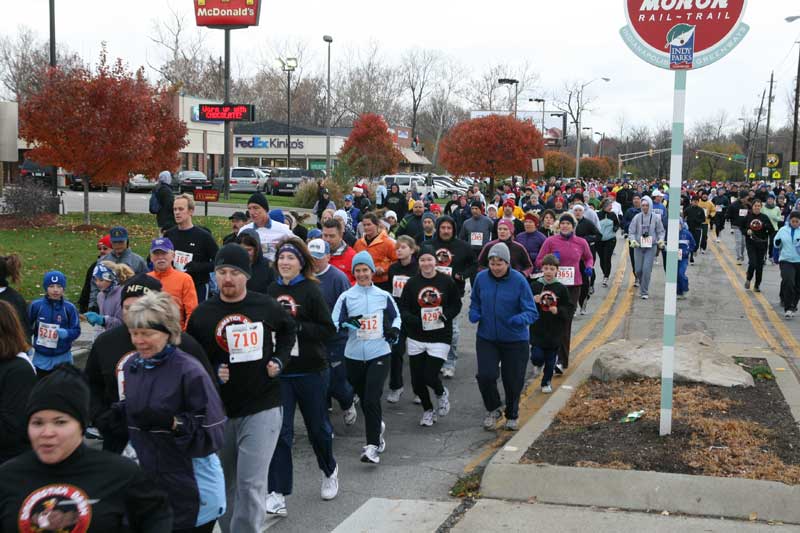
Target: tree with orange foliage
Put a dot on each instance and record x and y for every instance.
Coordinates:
(595, 168)
(558, 164)
(491, 146)
(102, 125)
(370, 150)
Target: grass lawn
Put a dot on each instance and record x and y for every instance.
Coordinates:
(240, 198)
(70, 247)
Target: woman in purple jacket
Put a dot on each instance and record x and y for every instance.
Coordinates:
(174, 414)
(532, 239)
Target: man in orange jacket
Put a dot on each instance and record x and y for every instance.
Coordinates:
(178, 284)
(380, 247)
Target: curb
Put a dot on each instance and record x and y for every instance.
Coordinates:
(506, 478)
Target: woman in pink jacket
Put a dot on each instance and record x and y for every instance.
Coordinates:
(571, 251)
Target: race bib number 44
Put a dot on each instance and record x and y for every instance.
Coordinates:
(371, 327)
(47, 335)
(245, 342)
(181, 260)
(566, 276)
(398, 284)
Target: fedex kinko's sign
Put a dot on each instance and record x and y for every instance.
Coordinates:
(683, 34)
(227, 13)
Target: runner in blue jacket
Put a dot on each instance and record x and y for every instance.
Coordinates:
(55, 324)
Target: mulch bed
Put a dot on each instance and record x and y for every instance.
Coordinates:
(15, 222)
(716, 431)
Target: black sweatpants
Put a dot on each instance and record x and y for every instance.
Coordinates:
(756, 251)
(396, 368)
(790, 285)
(719, 223)
(367, 379)
(425, 373)
(703, 244)
(566, 335)
(697, 233)
(605, 249)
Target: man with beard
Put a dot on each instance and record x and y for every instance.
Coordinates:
(396, 201)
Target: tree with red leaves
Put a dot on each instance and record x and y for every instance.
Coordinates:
(102, 125)
(369, 150)
(558, 164)
(491, 146)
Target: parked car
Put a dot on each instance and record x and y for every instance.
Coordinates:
(190, 180)
(287, 180)
(76, 184)
(449, 185)
(245, 179)
(140, 182)
(404, 181)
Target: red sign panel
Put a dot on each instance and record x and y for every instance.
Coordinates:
(708, 21)
(227, 112)
(206, 195)
(227, 13)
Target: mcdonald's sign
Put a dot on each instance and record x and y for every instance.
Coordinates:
(228, 14)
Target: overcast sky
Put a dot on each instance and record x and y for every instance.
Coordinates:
(568, 40)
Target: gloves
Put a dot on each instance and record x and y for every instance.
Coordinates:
(750, 232)
(111, 423)
(149, 419)
(661, 244)
(588, 272)
(354, 322)
(392, 335)
(557, 254)
(190, 268)
(634, 244)
(95, 319)
(62, 333)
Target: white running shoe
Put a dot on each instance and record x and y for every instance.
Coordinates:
(427, 419)
(547, 389)
(394, 395)
(448, 372)
(636, 283)
(382, 446)
(718, 241)
(537, 370)
(512, 424)
(417, 400)
(583, 309)
(645, 297)
(276, 504)
(605, 282)
(788, 314)
(444, 403)
(491, 418)
(351, 415)
(330, 485)
(370, 454)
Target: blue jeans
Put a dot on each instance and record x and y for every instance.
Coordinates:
(683, 280)
(452, 355)
(309, 392)
(506, 359)
(547, 357)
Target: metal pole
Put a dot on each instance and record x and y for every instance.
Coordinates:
(769, 116)
(578, 147)
(328, 119)
(288, 118)
(670, 290)
(226, 158)
(542, 117)
(53, 169)
(619, 167)
(755, 133)
(794, 124)
(516, 97)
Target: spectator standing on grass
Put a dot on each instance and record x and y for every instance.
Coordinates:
(55, 325)
(120, 253)
(10, 269)
(161, 199)
(195, 247)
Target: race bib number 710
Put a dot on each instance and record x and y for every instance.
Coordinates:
(245, 342)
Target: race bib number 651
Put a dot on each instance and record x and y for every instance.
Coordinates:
(245, 342)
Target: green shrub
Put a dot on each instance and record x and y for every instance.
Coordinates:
(306, 194)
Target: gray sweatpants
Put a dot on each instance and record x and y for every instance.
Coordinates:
(740, 244)
(644, 257)
(246, 453)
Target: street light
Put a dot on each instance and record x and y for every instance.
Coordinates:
(602, 140)
(591, 133)
(796, 102)
(515, 83)
(328, 39)
(288, 65)
(539, 101)
(578, 120)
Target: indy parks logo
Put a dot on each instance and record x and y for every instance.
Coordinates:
(680, 41)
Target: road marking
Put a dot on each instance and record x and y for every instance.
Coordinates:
(530, 402)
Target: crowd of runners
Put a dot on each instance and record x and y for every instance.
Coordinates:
(206, 350)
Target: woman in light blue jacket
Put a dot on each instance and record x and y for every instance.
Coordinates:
(787, 254)
(372, 320)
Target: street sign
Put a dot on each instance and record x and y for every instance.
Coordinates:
(764, 172)
(683, 35)
(794, 166)
(206, 195)
(227, 14)
(752, 175)
(227, 112)
(776, 175)
(537, 164)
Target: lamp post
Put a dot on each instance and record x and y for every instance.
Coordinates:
(600, 144)
(288, 65)
(796, 102)
(515, 83)
(578, 125)
(539, 101)
(53, 64)
(328, 39)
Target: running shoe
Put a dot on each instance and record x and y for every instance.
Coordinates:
(583, 309)
(417, 400)
(645, 297)
(330, 485)
(512, 424)
(382, 446)
(591, 291)
(394, 395)
(491, 418)
(537, 370)
(605, 282)
(547, 389)
(636, 283)
(427, 419)
(276, 504)
(747, 284)
(681, 297)
(448, 372)
(558, 370)
(756, 289)
(718, 241)
(788, 314)
(370, 454)
(444, 403)
(350, 415)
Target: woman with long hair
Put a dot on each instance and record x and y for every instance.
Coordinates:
(10, 270)
(17, 377)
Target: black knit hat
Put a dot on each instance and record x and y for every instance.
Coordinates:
(426, 249)
(233, 256)
(139, 285)
(260, 199)
(64, 390)
(568, 218)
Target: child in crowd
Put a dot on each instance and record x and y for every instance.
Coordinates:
(55, 325)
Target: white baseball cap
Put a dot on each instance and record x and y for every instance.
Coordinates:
(319, 248)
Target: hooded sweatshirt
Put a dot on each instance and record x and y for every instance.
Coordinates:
(262, 274)
(503, 307)
(570, 250)
(453, 256)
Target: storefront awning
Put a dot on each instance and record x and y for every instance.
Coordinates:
(413, 158)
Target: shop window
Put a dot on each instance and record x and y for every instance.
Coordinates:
(248, 161)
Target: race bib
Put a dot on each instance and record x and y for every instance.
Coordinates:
(245, 342)
(181, 260)
(646, 242)
(566, 275)
(742, 212)
(476, 238)
(371, 327)
(398, 284)
(431, 318)
(718, 209)
(47, 335)
(448, 271)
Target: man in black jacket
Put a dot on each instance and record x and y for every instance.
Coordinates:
(195, 247)
(396, 201)
(411, 225)
(163, 193)
(695, 218)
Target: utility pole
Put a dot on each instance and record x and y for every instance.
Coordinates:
(769, 115)
(755, 132)
(227, 152)
(794, 123)
(53, 169)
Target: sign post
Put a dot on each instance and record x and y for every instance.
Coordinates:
(679, 37)
(206, 195)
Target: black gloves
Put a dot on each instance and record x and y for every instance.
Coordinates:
(392, 335)
(149, 419)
